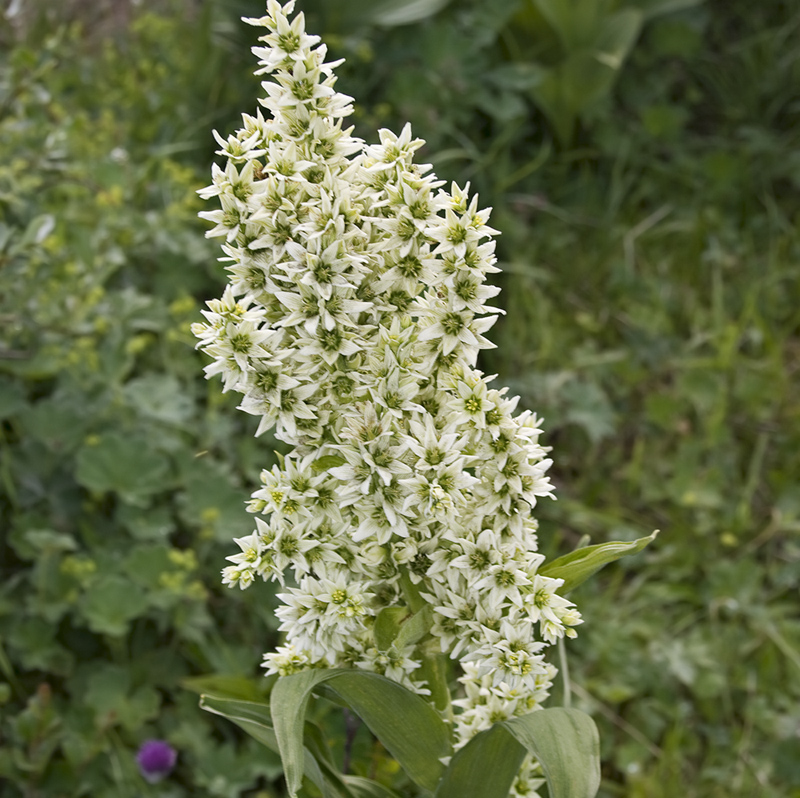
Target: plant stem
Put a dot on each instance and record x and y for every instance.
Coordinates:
(351, 724)
(434, 665)
(562, 658)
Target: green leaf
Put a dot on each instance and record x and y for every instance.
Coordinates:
(114, 699)
(484, 768)
(349, 786)
(317, 745)
(654, 8)
(397, 626)
(38, 229)
(587, 405)
(254, 718)
(238, 688)
(12, 398)
(366, 788)
(160, 397)
(616, 37)
(574, 22)
(37, 542)
(414, 628)
(564, 741)
(404, 12)
(236, 710)
(146, 564)
(387, 625)
(567, 745)
(326, 462)
(411, 592)
(124, 465)
(111, 603)
(212, 500)
(56, 422)
(553, 93)
(407, 725)
(577, 566)
(146, 523)
(435, 671)
(595, 45)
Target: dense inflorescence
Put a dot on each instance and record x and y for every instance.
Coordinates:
(351, 326)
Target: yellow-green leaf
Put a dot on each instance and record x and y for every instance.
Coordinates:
(565, 741)
(577, 566)
(407, 725)
(254, 718)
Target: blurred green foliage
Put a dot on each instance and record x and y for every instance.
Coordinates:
(122, 472)
(643, 161)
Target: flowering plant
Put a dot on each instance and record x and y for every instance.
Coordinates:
(403, 514)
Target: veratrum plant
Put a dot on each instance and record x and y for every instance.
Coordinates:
(352, 325)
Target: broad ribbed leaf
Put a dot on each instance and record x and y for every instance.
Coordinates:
(366, 788)
(565, 741)
(239, 688)
(484, 768)
(254, 711)
(409, 728)
(288, 704)
(567, 745)
(577, 566)
(254, 718)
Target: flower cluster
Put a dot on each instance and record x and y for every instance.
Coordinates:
(351, 326)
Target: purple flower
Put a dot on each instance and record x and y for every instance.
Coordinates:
(156, 759)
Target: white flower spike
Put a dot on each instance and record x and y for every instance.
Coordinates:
(352, 327)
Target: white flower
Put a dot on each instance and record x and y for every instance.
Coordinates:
(356, 310)
(238, 148)
(477, 557)
(396, 665)
(286, 660)
(228, 221)
(453, 329)
(288, 40)
(471, 402)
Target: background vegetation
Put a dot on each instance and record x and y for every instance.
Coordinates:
(643, 161)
